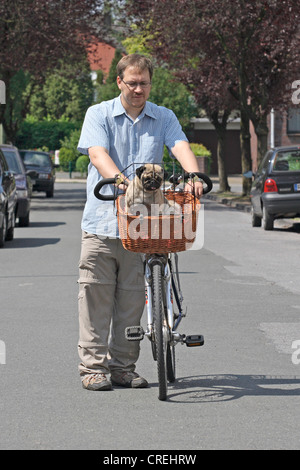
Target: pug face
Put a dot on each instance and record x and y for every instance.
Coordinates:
(151, 176)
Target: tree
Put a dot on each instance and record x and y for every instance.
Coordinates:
(34, 36)
(251, 47)
(65, 94)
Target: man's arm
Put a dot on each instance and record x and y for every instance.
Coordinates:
(104, 164)
(183, 153)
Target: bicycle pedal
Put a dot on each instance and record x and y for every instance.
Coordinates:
(194, 340)
(134, 333)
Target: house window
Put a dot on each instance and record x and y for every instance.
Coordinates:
(293, 121)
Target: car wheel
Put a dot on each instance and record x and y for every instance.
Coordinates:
(50, 193)
(10, 231)
(267, 219)
(24, 221)
(255, 219)
(3, 230)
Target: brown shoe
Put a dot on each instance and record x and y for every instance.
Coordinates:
(128, 379)
(96, 382)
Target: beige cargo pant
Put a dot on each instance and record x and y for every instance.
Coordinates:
(111, 297)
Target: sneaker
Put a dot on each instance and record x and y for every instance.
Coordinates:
(128, 379)
(96, 382)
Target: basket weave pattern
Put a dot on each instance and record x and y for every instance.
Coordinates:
(159, 233)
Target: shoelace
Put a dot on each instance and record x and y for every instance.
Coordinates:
(96, 376)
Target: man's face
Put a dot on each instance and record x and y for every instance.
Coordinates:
(134, 98)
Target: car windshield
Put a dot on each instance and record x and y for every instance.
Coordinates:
(14, 164)
(35, 159)
(287, 161)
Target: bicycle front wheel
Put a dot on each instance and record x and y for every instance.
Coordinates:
(160, 331)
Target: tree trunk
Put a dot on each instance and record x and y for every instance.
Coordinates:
(261, 130)
(223, 181)
(245, 151)
(221, 134)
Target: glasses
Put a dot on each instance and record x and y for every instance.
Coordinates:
(134, 85)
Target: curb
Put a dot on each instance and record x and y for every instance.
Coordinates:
(241, 206)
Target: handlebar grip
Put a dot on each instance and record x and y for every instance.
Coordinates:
(99, 185)
(206, 179)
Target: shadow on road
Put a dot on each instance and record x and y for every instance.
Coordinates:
(31, 242)
(216, 388)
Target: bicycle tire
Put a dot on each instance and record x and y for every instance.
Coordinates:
(171, 374)
(158, 328)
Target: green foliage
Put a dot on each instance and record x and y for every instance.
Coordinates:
(168, 92)
(68, 152)
(37, 134)
(82, 164)
(66, 94)
(200, 150)
(65, 157)
(136, 43)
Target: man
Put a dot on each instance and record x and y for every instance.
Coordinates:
(115, 134)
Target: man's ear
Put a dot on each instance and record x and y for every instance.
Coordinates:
(119, 81)
(139, 171)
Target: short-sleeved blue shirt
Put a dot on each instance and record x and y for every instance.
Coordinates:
(127, 142)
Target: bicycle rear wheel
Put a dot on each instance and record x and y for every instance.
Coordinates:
(171, 375)
(160, 331)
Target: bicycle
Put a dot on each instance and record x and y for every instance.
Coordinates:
(162, 283)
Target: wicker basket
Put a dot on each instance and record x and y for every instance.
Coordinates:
(159, 233)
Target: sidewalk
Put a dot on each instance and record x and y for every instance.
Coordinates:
(64, 177)
(232, 199)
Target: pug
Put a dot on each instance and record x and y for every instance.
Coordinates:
(145, 189)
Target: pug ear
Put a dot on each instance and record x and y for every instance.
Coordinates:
(139, 171)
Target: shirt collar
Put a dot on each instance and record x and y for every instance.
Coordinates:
(119, 109)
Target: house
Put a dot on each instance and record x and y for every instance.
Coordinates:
(100, 56)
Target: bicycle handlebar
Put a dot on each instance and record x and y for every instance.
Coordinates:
(112, 197)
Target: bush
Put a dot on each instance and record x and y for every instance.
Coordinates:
(82, 164)
(65, 157)
(171, 164)
(37, 134)
(200, 150)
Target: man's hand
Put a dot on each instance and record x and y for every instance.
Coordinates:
(195, 188)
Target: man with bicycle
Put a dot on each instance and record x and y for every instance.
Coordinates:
(128, 129)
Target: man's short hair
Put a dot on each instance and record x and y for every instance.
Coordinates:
(134, 60)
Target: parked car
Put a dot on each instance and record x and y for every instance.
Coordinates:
(23, 183)
(41, 170)
(8, 201)
(275, 191)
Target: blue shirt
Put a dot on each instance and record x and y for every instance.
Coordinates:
(129, 144)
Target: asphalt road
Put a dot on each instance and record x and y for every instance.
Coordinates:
(241, 390)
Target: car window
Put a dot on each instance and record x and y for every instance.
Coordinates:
(287, 161)
(35, 158)
(13, 161)
(264, 163)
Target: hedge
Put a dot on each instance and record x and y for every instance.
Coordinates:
(44, 134)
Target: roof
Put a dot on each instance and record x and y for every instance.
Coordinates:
(100, 56)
